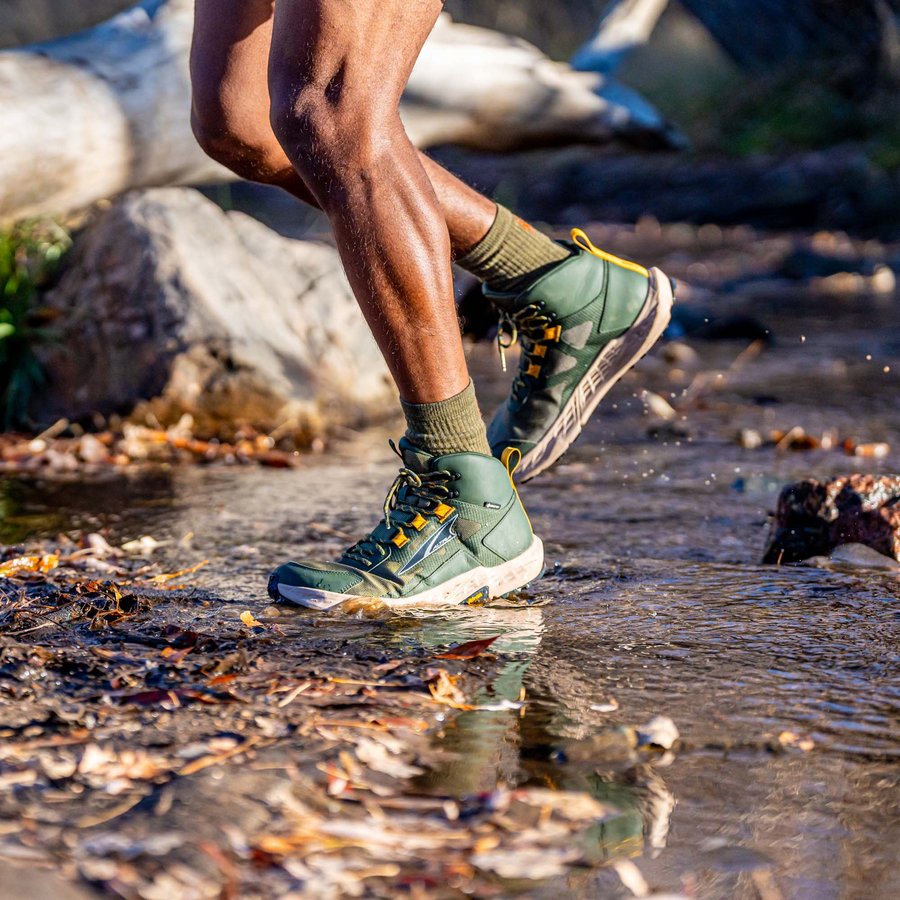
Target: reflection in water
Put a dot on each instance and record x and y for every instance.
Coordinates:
(33, 507)
(482, 745)
(515, 745)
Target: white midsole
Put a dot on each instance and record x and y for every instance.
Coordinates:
(499, 580)
(596, 383)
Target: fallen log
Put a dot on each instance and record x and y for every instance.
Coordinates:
(626, 25)
(91, 115)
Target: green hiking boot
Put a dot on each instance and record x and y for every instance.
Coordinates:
(454, 531)
(582, 326)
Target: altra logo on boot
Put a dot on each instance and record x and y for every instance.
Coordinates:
(442, 536)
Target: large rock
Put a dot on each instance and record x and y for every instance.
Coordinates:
(168, 298)
(814, 517)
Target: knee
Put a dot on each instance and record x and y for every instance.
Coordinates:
(329, 140)
(242, 143)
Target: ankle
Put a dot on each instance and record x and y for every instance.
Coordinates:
(447, 426)
(511, 254)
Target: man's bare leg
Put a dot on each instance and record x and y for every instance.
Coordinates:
(337, 70)
(454, 530)
(231, 105)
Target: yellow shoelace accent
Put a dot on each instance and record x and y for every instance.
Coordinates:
(508, 332)
(580, 239)
(426, 493)
(442, 512)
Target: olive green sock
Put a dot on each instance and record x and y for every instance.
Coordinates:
(512, 254)
(448, 426)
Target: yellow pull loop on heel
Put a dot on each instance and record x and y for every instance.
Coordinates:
(581, 240)
(511, 457)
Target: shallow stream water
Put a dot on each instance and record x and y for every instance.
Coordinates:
(654, 599)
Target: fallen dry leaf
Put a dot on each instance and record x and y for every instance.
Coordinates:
(29, 565)
(250, 621)
(468, 650)
(444, 690)
(168, 576)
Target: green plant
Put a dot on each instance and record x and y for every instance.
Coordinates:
(795, 109)
(29, 255)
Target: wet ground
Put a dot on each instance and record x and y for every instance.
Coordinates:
(783, 682)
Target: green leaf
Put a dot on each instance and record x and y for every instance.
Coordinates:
(6, 330)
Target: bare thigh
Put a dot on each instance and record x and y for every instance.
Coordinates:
(229, 66)
(229, 63)
(357, 51)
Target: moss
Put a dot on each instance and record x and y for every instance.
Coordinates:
(30, 254)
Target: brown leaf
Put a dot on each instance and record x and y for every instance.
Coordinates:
(29, 565)
(170, 654)
(179, 638)
(444, 691)
(469, 650)
(172, 698)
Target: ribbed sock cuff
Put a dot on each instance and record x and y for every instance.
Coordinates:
(448, 426)
(511, 254)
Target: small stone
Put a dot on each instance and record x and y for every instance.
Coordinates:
(884, 281)
(677, 353)
(658, 406)
(750, 439)
(91, 450)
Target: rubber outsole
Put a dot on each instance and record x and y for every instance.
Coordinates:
(612, 363)
(483, 583)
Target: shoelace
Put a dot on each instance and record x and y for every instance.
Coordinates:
(531, 326)
(426, 493)
(536, 326)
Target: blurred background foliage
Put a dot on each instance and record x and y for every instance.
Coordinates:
(29, 254)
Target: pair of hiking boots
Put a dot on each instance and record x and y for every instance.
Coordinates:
(454, 530)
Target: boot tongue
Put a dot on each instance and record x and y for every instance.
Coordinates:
(419, 461)
(507, 303)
